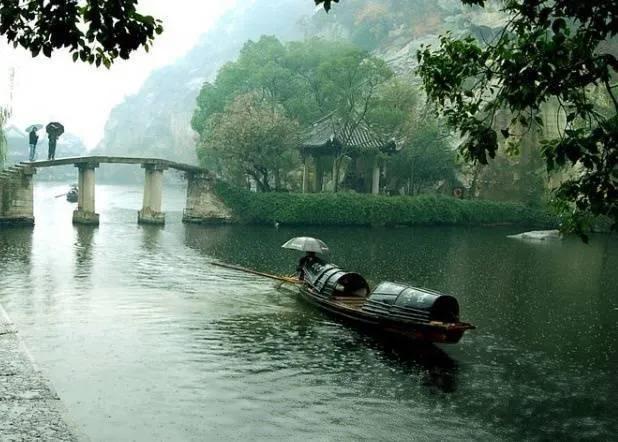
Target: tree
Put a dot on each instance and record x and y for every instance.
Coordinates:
(550, 51)
(308, 80)
(251, 137)
(262, 67)
(426, 159)
(94, 31)
(426, 156)
(395, 109)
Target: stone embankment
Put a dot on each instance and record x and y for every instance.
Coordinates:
(16, 195)
(29, 407)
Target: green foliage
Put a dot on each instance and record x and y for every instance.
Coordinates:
(549, 50)
(350, 209)
(425, 157)
(309, 79)
(425, 160)
(94, 31)
(263, 67)
(305, 81)
(252, 137)
(395, 109)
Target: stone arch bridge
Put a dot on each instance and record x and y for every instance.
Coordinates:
(202, 205)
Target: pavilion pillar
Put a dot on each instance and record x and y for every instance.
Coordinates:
(153, 191)
(319, 175)
(375, 181)
(305, 175)
(85, 213)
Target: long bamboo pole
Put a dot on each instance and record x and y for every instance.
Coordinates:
(255, 272)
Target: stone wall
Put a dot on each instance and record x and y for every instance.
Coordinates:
(203, 206)
(16, 205)
(30, 408)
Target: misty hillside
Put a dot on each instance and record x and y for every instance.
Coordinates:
(156, 121)
(395, 29)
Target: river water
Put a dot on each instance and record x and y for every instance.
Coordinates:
(144, 339)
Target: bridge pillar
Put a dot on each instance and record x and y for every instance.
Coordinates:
(16, 195)
(85, 202)
(203, 206)
(153, 189)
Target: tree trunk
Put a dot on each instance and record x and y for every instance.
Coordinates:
(305, 187)
(261, 184)
(336, 175)
(475, 176)
(277, 179)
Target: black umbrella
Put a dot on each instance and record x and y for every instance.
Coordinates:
(54, 129)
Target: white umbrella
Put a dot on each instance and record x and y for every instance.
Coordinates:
(306, 244)
(34, 126)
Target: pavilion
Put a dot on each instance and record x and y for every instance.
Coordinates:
(327, 142)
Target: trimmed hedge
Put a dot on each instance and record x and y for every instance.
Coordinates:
(351, 209)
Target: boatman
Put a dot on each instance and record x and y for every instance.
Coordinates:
(309, 259)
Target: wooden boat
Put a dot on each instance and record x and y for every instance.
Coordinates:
(73, 194)
(407, 312)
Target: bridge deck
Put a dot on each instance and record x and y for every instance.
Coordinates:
(118, 160)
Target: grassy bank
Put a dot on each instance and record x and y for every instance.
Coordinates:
(349, 209)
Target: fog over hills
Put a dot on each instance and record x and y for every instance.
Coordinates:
(156, 121)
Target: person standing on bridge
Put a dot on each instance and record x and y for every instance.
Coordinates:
(33, 139)
(51, 152)
(54, 130)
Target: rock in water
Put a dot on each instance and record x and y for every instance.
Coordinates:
(538, 235)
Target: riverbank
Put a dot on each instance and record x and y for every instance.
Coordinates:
(30, 408)
(351, 209)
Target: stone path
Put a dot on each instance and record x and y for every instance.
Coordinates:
(29, 407)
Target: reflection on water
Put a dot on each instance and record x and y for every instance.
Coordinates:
(83, 250)
(145, 340)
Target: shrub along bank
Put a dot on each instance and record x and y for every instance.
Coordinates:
(350, 209)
